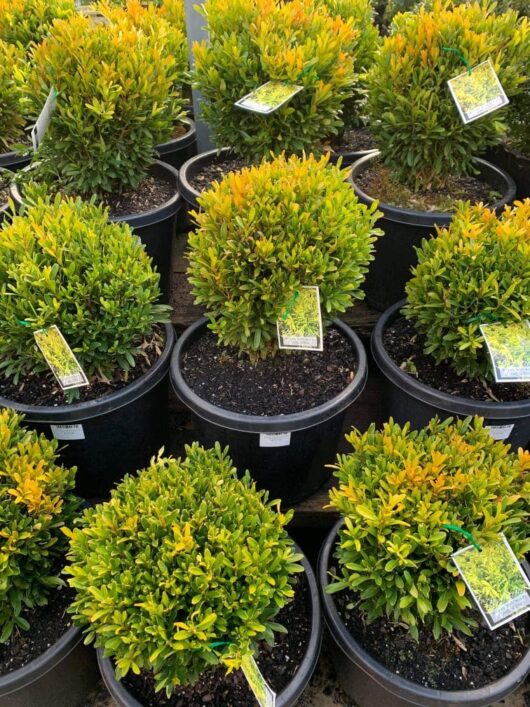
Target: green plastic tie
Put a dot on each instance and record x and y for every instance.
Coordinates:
(465, 533)
(481, 318)
(23, 323)
(217, 644)
(460, 55)
(290, 305)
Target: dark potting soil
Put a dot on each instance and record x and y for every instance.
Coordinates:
(354, 140)
(278, 665)
(47, 625)
(215, 172)
(43, 388)
(4, 190)
(290, 382)
(378, 183)
(456, 662)
(404, 344)
(154, 191)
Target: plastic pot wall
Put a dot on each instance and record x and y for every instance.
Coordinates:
(516, 164)
(13, 161)
(177, 151)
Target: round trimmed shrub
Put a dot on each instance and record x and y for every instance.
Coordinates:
(25, 21)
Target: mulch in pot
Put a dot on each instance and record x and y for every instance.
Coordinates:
(43, 388)
(355, 140)
(4, 189)
(278, 665)
(215, 172)
(152, 192)
(47, 625)
(405, 345)
(289, 382)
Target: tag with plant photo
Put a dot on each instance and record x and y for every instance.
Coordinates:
(477, 92)
(301, 324)
(496, 580)
(259, 686)
(269, 97)
(509, 350)
(60, 358)
(41, 125)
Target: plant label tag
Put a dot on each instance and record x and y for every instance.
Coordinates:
(496, 580)
(500, 431)
(269, 97)
(509, 350)
(275, 439)
(477, 92)
(263, 693)
(68, 432)
(60, 358)
(301, 324)
(43, 121)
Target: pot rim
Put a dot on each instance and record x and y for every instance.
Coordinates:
(189, 192)
(177, 142)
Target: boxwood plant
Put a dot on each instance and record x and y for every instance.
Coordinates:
(266, 231)
(397, 490)
(23, 22)
(412, 115)
(184, 568)
(36, 504)
(476, 271)
(65, 264)
(12, 120)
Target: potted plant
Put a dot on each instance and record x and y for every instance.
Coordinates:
(63, 264)
(12, 119)
(430, 347)
(42, 658)
(406, 628)
(183, 574)
(428, 156)
(273, 42)
(106, 125)
(25, 22)
(264, 234)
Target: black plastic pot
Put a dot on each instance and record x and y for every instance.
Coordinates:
(176, 151)
(370, 684)
(62, 676)
(404, 230)
(295, 467)
(194, 165)
(14, 161)
(349, 158)
(516, 164)
(408, 400)
(289, 696)
(113, 435)
(155, 228)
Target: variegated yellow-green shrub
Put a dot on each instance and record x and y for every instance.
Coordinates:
(25, 21)
(475, 272)
(12, 120)
(397, 490)
(255, 41)
(36, 503)
(184, 568)
(412, 115)
(265, 232)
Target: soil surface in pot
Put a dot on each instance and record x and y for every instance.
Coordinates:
(404, 344)
(378, 183)
(354, 140)
(47, 625)
(4, 189)
(215, 172)
(278, 665)
(290, 382)
(154, 191)
(179, 129)
(43, 388)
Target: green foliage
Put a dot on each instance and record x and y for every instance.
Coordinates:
(397, 490)
(256, 41)
(184, 568)
(413, 117)
(36, 502)
(11, 118)
(266, 231)
(477, 271)
(519, 122)
(116, 101)
(65, 264)
(25, 21)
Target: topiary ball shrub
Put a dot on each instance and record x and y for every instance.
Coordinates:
(36, 504)
(23, 22)
(255, 41)
(12, 121)
(184, 568)
(397, 489)
(266, 231)
(65, 264)
(412, 114)
(476, 271)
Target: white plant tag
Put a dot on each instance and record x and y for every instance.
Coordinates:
(269, 97)
(60, 358)
(43, 121)
(477, 92)
(259, 686)
(496, 580)
(275, 439)
(301, 324)
(509, 350)
(68, 432)
(500, 431)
